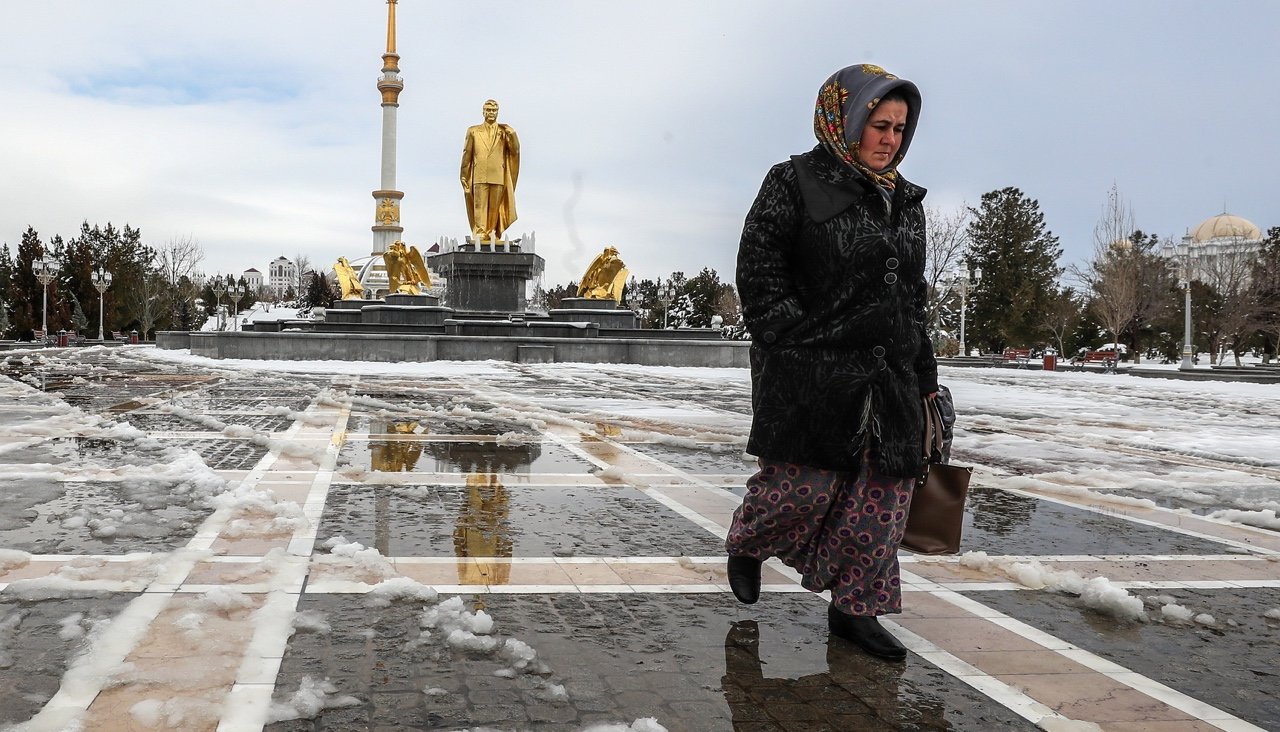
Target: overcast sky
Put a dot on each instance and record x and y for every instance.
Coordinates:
(254, 127)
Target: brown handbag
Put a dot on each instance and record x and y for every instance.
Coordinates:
(937, 503)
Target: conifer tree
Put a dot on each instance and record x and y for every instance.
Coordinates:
(1019, 260)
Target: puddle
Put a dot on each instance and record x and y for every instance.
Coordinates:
(487, 518)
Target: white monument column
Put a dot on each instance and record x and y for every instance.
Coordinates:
(387, 228)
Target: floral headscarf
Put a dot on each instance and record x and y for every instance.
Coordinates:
(845, 102)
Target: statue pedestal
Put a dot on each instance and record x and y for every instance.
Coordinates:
(398, 309)
(605, 313)
(345, 311)
(423, 300)
(487, 281)
(404, 310)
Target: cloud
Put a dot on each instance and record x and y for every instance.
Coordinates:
(255, 127)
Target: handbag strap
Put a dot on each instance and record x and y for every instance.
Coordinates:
(932, 443)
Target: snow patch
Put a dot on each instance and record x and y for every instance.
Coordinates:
(1097, 593)
(310, 699)
(645, 724)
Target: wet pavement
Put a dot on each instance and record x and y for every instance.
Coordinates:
(502, 547)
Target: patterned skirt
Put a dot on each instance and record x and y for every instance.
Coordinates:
(839, 530)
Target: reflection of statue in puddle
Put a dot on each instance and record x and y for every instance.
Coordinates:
(485, 457)
(394, 455)
(482, 531)
(998, 512)
(854, 693)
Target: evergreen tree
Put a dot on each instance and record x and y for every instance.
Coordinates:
(250, 296)
(642, 297)
(24, 288)
(6, 271)
(186, 316)
(319, 292)
(1018, 256)
(1264, 293)
(5, 324)
(78, 320)
(703, 292)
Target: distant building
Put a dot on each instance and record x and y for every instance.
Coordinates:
(283, 273)
(253, 279)
(1219, 249)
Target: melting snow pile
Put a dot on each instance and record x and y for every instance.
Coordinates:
(310, 699)
(1098, 593)
(366, 562)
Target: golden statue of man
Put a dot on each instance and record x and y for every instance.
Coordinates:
(405, 270)
(348, 280)
(490, 168)
(605, 278)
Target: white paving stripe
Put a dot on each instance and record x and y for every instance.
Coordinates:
(249, 702)
(1144, 684)
(1004, 694)
(1115, 512)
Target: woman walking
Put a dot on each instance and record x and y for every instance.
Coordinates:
(831, 276)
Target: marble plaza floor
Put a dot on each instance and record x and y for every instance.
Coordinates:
(506, 547)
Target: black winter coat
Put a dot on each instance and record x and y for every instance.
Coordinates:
(832, 284)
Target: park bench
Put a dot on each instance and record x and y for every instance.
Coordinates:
(118, 336)
(1019, 356)
(44, 338)
(1108, 360)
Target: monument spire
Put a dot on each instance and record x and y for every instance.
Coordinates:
(387, 228)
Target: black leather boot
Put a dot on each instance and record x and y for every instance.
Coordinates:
(744, 579)
(866, 632)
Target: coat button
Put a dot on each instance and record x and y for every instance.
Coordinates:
(770, 337)
(891, 263)
(878, 351)
(890, 278)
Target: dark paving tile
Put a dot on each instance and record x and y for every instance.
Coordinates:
(398, 455)
(1000, 522)
(223, 454)
(204, 402)
(163, 422)
(697, 462)
(407, 422)
(1231, 665)
(37, 640)
(48, 517)
(695, 662)
(488, 519)
(87, 452)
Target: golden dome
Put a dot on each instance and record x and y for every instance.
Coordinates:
(1225, 226)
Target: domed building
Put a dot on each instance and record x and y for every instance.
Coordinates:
(1221, 247)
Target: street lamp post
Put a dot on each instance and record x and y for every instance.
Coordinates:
(101, 280)
(45, 268)
(1188, 353)
(235, 292)
(666, 294)
(963, 282)
(219, 289)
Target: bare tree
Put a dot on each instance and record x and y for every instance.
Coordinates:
(301, 265)
(176, 263)
(946, 242)
(1227, 274)
(1112, 275)
(1062, 317)
(151, 300)
(177, 258)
